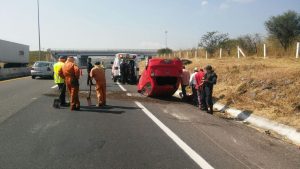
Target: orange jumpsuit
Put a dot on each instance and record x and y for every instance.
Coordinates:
(98, 74)
(71, 74)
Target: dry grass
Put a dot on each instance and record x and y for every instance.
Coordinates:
(266, 87)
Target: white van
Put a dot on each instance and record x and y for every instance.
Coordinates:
(132, 61)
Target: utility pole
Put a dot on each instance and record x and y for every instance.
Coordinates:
(166, 32)
(38, 5)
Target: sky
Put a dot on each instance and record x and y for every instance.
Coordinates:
(133, 24)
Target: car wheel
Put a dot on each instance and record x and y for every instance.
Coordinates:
(33, 77)
(115, 79)
(147, 89)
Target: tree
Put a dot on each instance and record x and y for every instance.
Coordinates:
(285, 28)
(211, 41)
(249, 43)
(164, 51)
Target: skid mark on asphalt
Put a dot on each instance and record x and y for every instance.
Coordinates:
(43, 127)
(224, 149)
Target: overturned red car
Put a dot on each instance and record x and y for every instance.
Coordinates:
(161, 77)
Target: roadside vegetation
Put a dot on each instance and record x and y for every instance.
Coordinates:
(34, 56)
(267, 87)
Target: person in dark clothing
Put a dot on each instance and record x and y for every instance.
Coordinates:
(89, 68)
(124, 71)
(209, 80)
(131, 71)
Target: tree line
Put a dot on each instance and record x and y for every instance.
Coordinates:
(284, 29)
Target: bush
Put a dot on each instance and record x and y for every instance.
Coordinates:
(250, 43)
(211, 41)
(285, 28)
(164, 51)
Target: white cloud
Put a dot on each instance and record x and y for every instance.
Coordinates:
(228, 3)
(203, 3)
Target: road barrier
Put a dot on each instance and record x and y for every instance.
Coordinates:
(7, 73)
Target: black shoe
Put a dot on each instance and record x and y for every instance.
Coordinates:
(77, 108)
(64, 105)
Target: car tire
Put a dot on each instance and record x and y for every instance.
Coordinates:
(115, 79)
(147, 89)
(32, 77)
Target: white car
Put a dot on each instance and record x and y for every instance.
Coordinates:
(42, 69)
(132, 61)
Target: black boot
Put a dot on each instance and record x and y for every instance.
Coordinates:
(211, 110)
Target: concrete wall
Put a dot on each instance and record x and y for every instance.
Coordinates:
(7, 73)
(13, 52)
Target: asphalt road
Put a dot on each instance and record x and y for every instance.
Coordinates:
(130, 132)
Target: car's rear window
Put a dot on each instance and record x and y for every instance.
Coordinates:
(41, 64)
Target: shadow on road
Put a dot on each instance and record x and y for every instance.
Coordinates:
(107, 109)
(43, 78)
(119, 107)
(100, 110)
(169, 99)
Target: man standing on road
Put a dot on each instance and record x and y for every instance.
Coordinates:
(184, 81)
(199, 88)
(71, 73)
(98, 74)
(193, 85)
(89, 68)
(124, 71)
(210, 79)
(59, 80)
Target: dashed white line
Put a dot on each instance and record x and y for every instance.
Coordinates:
(121, 87)
(129, 94)
(55, 86)
(187, 149)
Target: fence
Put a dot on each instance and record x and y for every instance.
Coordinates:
(263, 51)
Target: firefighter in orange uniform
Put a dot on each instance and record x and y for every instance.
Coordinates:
(98, 74)
(71, 73)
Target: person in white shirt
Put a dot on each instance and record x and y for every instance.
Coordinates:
(193, 85)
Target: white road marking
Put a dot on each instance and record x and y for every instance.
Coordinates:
(129, 94)
(121, 87)
(55, 86)
(187, 149)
